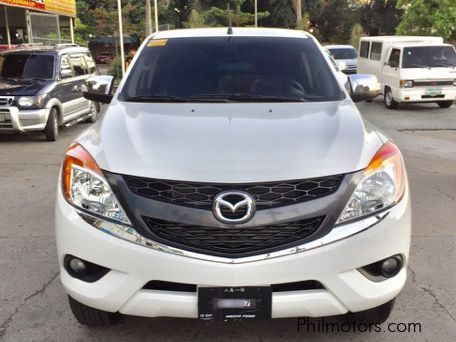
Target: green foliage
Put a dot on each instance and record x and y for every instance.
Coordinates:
(217, 16)
(428, 17)
(356, 34)
(304, 23)
(381, 17)
(333, 20)
(282, 14)
(180, 12)
(195, 20)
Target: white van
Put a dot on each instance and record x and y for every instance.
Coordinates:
(411, 69)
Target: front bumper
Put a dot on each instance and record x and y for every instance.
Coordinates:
(419, 95)
(23, 120)
(334, 265)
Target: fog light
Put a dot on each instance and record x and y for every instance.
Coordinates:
(84, 270)
(383, 269)
(78, 266)
(391, 266)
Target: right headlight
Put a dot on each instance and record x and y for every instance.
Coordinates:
(382, 185)
(85, 187)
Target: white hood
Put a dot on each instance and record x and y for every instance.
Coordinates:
(233, 142)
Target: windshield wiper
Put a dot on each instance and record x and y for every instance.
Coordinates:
(420, 66)
(445, 64)
(245, 98)
(155, 98)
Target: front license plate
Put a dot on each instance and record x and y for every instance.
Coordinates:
(433, 91)
(234, 303)
(2, 117)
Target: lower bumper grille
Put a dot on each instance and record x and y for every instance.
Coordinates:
(5, 119)
(181, 287)
(233, 241)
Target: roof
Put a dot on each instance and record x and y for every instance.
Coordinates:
(51, 49)
(397, 39)
(340, 46)
(237, 32)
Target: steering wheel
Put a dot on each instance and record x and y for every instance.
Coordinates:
(294, 85)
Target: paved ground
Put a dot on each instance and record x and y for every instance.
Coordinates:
(33, 305)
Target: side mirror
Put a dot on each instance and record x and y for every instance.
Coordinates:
(66, 73)
(363, 87)
(98, 89)
(342, 65)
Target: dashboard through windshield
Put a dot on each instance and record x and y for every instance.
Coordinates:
(231, 69)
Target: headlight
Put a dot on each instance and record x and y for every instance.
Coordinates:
(26, 101)
(30, 101)
(382, 185)
(407, 84)
(85, 187)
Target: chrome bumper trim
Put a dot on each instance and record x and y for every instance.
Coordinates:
(130, 234)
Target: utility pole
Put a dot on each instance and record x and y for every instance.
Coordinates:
(298, 8)
(122, 51)
(156, 14)
(148, 18)
(256, 13)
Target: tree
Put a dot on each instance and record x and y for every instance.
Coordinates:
(217, 16)
(282, 14)
(428, 17)
(381, 17)
(334, 19)
(180, 11)
(356, 34)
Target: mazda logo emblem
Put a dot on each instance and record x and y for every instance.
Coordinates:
(233, 207)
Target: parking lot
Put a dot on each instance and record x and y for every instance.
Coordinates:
(34, 305)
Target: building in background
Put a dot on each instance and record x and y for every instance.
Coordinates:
(36, 21)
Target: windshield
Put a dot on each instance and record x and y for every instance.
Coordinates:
(429, 57)
(217, 69)
(27, 66)
(348, 53)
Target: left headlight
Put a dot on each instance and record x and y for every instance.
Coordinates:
(382, 185)
(85, 187)
(30, 101)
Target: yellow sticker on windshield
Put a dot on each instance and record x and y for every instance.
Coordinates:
(157, 42)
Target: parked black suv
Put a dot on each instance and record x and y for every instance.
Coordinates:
(41, 88)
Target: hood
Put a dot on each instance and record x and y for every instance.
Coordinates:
(231, 143)
(18, 87)
(353, 61)
(428, 73)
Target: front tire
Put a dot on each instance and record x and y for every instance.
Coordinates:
(377, 315)
(51, 130)
(91, 317)
(94, 113)
(388, 99)
(445, 104)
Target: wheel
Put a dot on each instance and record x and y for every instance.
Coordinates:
(52, 126)
(377, 315)
(94, 111)
(91, 317)
(390, 103)
(445, 104)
